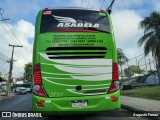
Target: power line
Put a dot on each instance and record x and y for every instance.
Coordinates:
(4, 57)
(8, 51)
(102, 4)
(3, 69)
(110, 7)
(6, 39)
(13, 33)
(4, 20)
(19, 53)
(81, 3)
(10, 28)
(136, 56)
(88, 3)
(6, 66)
(3, 65)
(7, 33)
(18, 69)
(17, 50)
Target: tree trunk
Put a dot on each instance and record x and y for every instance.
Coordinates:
(121, 71)
(158, 71)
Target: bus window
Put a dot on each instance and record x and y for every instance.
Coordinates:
(78, 20)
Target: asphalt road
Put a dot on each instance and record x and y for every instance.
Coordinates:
(23, 103)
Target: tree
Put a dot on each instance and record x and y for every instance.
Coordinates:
(131, 70)
(1, 79)
(151, 37)
(28, 72)
(122, 59)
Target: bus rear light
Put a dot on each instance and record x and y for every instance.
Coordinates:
(115, 76)
(37, 78)
(115, 83)
(38, 90)
(102, 11)
(37, 75)
(113, 88)
(113, 98)
(45, 9)
(39, 104)
(37, 87)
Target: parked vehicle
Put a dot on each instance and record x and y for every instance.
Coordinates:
(21, 90)
(27, 86)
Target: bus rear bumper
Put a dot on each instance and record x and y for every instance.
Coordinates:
(61, 105)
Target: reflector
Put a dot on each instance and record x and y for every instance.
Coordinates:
(39, 104)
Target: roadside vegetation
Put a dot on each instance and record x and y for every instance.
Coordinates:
(122, 59)
(126, 79)
(148, 93)
(151, 38)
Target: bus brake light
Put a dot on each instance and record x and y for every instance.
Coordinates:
(115, 76)
(45, 9)
(102, 11)
(37, 87)
(115, 79)
(40, 104)
(37, 75)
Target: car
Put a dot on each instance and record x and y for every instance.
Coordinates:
(21, 90)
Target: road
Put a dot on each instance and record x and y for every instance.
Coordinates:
(24, 103)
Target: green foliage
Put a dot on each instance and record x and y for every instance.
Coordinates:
(151, 37)
(28, 72)
(148, 93)
(126, 79)
(133, 69)
(122, 59)
(128, 72)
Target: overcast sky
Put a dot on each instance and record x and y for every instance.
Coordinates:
(126, 16)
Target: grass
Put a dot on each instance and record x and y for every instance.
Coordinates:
(148, 93)
(138, 84)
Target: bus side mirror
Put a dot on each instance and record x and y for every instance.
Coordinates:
(109, 11)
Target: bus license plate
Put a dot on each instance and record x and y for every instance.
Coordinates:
(79, 104)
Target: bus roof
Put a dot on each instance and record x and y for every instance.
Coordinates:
(77, 8)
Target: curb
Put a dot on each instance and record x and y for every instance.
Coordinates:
(7, 97)
(140, 111)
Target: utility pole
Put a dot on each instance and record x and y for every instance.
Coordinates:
(11, 68)
(139, 71)
(145, 64)
(150, 64)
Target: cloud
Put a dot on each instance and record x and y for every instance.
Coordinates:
(126, 4)
(157, 7)
(17, 8)
(23, 30)
(96, 4)
(125, 24)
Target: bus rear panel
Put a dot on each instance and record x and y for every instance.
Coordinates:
(75, 62)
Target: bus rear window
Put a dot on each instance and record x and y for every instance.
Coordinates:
(73, 19)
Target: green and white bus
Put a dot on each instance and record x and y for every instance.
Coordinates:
(75, 61)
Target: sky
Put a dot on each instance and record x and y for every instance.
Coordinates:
(19, 30)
